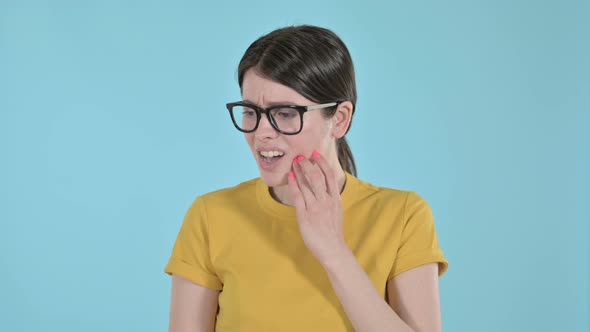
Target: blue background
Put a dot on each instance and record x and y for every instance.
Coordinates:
(112, 120)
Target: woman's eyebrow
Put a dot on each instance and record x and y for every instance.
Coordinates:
(272, 103)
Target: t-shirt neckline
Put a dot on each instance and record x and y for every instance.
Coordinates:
(283, 211)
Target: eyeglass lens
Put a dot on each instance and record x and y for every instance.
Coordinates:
(286, 119)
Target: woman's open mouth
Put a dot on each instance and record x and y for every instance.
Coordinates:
(268, 160)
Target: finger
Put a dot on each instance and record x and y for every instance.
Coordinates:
(296, 194)
(303, 184)
(315, 178)
(329, 174)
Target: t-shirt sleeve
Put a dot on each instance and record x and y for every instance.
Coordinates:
(190, 257)
(419, 244)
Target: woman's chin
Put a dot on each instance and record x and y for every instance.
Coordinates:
(274, 179)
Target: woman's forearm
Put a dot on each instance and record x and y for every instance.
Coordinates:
(363, 304)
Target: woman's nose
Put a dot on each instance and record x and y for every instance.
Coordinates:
(265, 129)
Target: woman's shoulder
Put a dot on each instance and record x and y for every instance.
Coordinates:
(240, 191)
(393, 197)
(366, 189)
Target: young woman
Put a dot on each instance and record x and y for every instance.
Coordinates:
(307, 246)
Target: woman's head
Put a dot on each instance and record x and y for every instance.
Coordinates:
(306, 66)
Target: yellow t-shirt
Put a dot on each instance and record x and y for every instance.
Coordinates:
(241, 241)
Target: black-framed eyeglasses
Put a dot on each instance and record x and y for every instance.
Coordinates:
(286, 119)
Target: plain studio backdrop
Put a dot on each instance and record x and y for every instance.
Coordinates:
(113, 119)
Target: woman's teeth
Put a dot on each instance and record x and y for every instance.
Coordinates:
(270, 154)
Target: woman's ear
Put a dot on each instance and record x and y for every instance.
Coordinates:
(341, 119)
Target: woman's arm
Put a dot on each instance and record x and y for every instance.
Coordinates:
(316, 195)
(192, 307)
(413, 296)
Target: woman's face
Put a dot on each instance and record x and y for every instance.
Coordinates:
(315, 135)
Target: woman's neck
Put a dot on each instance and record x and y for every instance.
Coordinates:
(282, 193)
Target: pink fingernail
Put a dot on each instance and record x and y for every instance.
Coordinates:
(291, 175)
(315, 153)
(299, 158)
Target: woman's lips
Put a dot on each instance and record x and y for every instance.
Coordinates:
(264, 163)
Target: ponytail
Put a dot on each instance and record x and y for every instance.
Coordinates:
(345, 156)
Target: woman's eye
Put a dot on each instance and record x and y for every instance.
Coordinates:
(286, 115)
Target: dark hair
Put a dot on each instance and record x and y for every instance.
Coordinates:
(312, 61)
